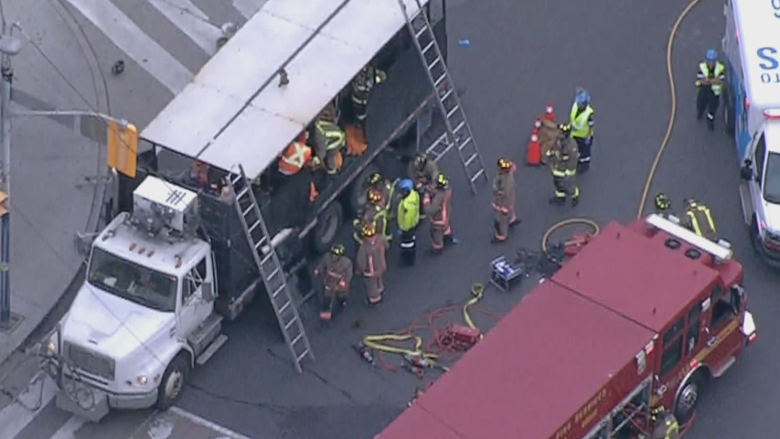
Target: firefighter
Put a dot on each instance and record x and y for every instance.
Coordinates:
(504, 200)
(377, 182)
(698, 219)
(329, 141)
(665, 424)
(662, 204)
(423, 173)
(408, 219)
(439, 211)
(581, 121)
(336, 271)
(374, 214)
(362, 85)
(709, 82)
(372, 264)
(564, 167)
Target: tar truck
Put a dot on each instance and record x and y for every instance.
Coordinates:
(751, 105)
(644, 316)
(185, 253)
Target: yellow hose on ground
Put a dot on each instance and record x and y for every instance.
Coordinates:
(567, 222)
(673, 111)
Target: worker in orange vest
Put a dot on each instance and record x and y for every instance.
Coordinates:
(438, 209)
(295, 158)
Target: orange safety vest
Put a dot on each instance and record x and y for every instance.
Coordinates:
(294, 158)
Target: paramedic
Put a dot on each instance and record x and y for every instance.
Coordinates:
(709, 81)
(408, 219)
(581, 122)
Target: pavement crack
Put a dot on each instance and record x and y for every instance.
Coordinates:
(273, 408)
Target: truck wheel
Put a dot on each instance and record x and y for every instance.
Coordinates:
(685, 406)
(729, 120)
(327, 228)
(356, 200)
(173, 381)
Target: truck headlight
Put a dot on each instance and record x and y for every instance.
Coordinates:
(142, 380)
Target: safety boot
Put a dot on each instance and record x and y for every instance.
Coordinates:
(557, 200)
(575, 201)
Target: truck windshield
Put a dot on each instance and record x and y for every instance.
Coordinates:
(131, 281)
(772, 178)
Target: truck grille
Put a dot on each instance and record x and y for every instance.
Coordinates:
(92, 363)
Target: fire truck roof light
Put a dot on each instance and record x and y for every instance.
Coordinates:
(772, 114)
(719, 252)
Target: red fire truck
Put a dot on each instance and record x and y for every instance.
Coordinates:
(644, 316)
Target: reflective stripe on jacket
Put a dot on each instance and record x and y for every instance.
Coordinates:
(704, 69)
(294, 158)
(579, 122)
(698, 214)
(333, 134)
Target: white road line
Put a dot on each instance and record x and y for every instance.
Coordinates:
(120, 29)
(69, 429)
(192, 21)
(247, 8)
(228, 434)
(15, 417)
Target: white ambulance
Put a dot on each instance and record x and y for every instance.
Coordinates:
(751, 106)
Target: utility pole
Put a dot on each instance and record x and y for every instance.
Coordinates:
(9, 47)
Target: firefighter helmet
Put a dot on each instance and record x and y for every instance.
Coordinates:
(442, 181)
(662, 202)
(505, 164)
(337, 250)
(420, 160)
(368, 230)
(565, 128)
(375, 178)
(374, 196)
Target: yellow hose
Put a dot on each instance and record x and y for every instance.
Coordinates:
(673, 112)
(567, 222)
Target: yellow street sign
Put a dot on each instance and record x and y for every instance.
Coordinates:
(122, 145)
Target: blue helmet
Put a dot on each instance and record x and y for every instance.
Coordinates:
(582, 97)
(406, 185)
(711, 55)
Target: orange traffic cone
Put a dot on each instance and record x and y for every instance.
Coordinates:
(533, 154)
(548, 112)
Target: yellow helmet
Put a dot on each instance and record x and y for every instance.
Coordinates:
(374, 196)
(375, 178)
(337, 250)
(565, 128)
(504, 164)
(420, 160)
(442, 181)
(368, 230)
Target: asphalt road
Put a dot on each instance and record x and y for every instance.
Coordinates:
(519, 57)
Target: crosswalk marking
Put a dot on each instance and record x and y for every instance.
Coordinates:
(17, 416)
(226, 434)
(69, 429)
(132, 40)
(247, 8)
(192, 21)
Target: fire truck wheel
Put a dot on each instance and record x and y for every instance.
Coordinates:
(685, 407)
(356, 196)
(173, 381)
(327, 228)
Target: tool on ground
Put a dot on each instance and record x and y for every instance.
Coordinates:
(533, 153)
(556, 254)
(366, 353)
(505, 273)
(462, 338)
(549, 114)
(573, 245)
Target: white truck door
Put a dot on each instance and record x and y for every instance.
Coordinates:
(752, 177)
(194, 310)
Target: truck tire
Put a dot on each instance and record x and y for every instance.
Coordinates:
(356, 201)
(729, 118)
(690, 393)
(327, 228)
(173, 381)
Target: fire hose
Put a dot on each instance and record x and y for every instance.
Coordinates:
(422, 355)
(575, 241)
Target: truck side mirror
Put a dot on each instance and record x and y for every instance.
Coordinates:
(746, 171)
(207, 291)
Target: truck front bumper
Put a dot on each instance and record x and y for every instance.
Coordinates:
(770, 257)
(92, 403)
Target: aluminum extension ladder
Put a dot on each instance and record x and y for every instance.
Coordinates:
(270, 268)
(458, 129)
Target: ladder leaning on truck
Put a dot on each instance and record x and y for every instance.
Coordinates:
(237, 121)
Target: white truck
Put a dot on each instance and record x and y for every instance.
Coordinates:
(751, 105)
(163, 274)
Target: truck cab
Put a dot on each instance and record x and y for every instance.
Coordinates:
(145, 312)
(751, 105)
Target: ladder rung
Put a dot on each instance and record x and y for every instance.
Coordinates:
(243, 192)
(267, 257)
(302, 355)
(254, 226)
(428, 46)
(278, 290)
(245, 213)
(459, 126)
(470, 159)
(453, 111)
(421, 31)
(284, 307)
(441, 79)
(477, 175)
(446, 95)
(290, 323)
(273, 274)
(296, 339)
(433, 63)
(465, 142)
(260, 243)
(237, 180)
